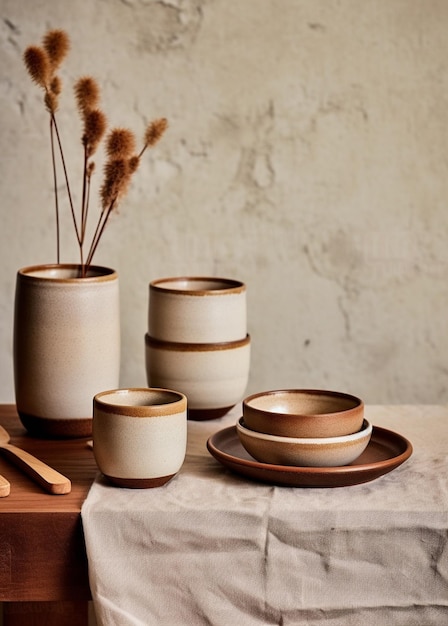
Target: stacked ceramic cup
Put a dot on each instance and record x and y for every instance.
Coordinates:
(197, 341)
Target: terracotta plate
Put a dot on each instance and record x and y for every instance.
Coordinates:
(386, 451)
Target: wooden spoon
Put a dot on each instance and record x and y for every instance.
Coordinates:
(48, 478)
(5, 487)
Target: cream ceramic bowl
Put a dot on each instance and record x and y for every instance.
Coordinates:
(139, 435)
(197, 310)
(304, 452)
(303, 413)
(212, 376)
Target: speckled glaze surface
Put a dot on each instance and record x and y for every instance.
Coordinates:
(197, 310)
(304, 452)
(66, 346)
(140, 435)
(212, 376)
(303, 413)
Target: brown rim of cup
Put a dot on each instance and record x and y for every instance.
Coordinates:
(140, 410)
(224, 286)
(195, 347)
(95, 273)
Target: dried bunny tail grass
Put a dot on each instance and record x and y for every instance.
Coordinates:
(116, 180)
(38, 65)
(56, 85)
(120, 143)
(90, 168)
(154, 131)
(87, 93)
(56, 44)
(51, 101)
(95, 124)
(133, 163)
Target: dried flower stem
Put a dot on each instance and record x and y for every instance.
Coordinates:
(122, 160)
(84, 205)
(67, 183)
(101, 225)
(56, 197)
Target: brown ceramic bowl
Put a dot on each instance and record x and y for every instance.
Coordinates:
(303, 413)
(305, 452)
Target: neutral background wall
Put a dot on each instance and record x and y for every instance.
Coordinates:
(307, 155)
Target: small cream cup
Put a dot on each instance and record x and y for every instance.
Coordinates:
(139, 435)
(195, 309)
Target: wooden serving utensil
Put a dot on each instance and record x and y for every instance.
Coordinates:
(48, 478)
(5, 487)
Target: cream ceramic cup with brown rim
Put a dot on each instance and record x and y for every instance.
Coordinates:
(196, 309)
(139, 435)
(213, 376)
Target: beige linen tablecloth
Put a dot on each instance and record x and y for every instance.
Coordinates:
(214, 548)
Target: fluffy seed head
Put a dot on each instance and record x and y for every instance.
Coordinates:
(56, 44)
(95, 124)
(134, 162)
(120, 143)
(116, 179)
(87, 93)
(38, 65)
(56, 85)
(155, 130)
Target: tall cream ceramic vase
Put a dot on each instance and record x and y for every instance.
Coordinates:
(66, 346)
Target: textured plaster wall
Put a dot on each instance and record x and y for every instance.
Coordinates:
(307, 155)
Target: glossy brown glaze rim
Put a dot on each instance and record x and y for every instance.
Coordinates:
(159, 344)
(231, 286)
(95, 273)
(308, 442)
(358, 403)
(176, 402)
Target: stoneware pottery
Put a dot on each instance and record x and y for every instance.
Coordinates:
(139, 435)
(385, 452)
(197, 310)
(212, 376)
(66, 346)
(304, 452)
(303, 413)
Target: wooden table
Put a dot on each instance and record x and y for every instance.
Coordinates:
(43, 563)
